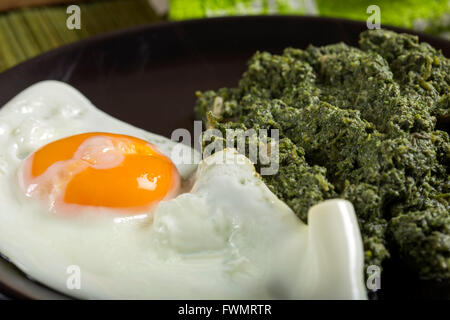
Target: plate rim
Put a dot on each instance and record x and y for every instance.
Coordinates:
(173, 24)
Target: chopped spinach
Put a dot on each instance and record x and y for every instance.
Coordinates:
(367, 124)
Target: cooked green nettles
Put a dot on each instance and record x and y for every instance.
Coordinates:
(367, 124)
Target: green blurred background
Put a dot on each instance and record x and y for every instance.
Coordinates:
(26, 32)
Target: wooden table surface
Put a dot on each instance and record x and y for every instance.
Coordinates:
(12, 4)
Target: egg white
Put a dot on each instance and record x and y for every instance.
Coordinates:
(228, 238)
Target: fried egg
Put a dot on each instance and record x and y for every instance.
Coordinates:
(80, 190)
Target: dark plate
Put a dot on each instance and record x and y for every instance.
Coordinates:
(148, 76)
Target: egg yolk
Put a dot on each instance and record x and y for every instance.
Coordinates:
(101, 170)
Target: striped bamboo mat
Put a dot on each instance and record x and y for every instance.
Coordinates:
(27, 32)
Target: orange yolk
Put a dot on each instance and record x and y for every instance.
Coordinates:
(101, 170)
